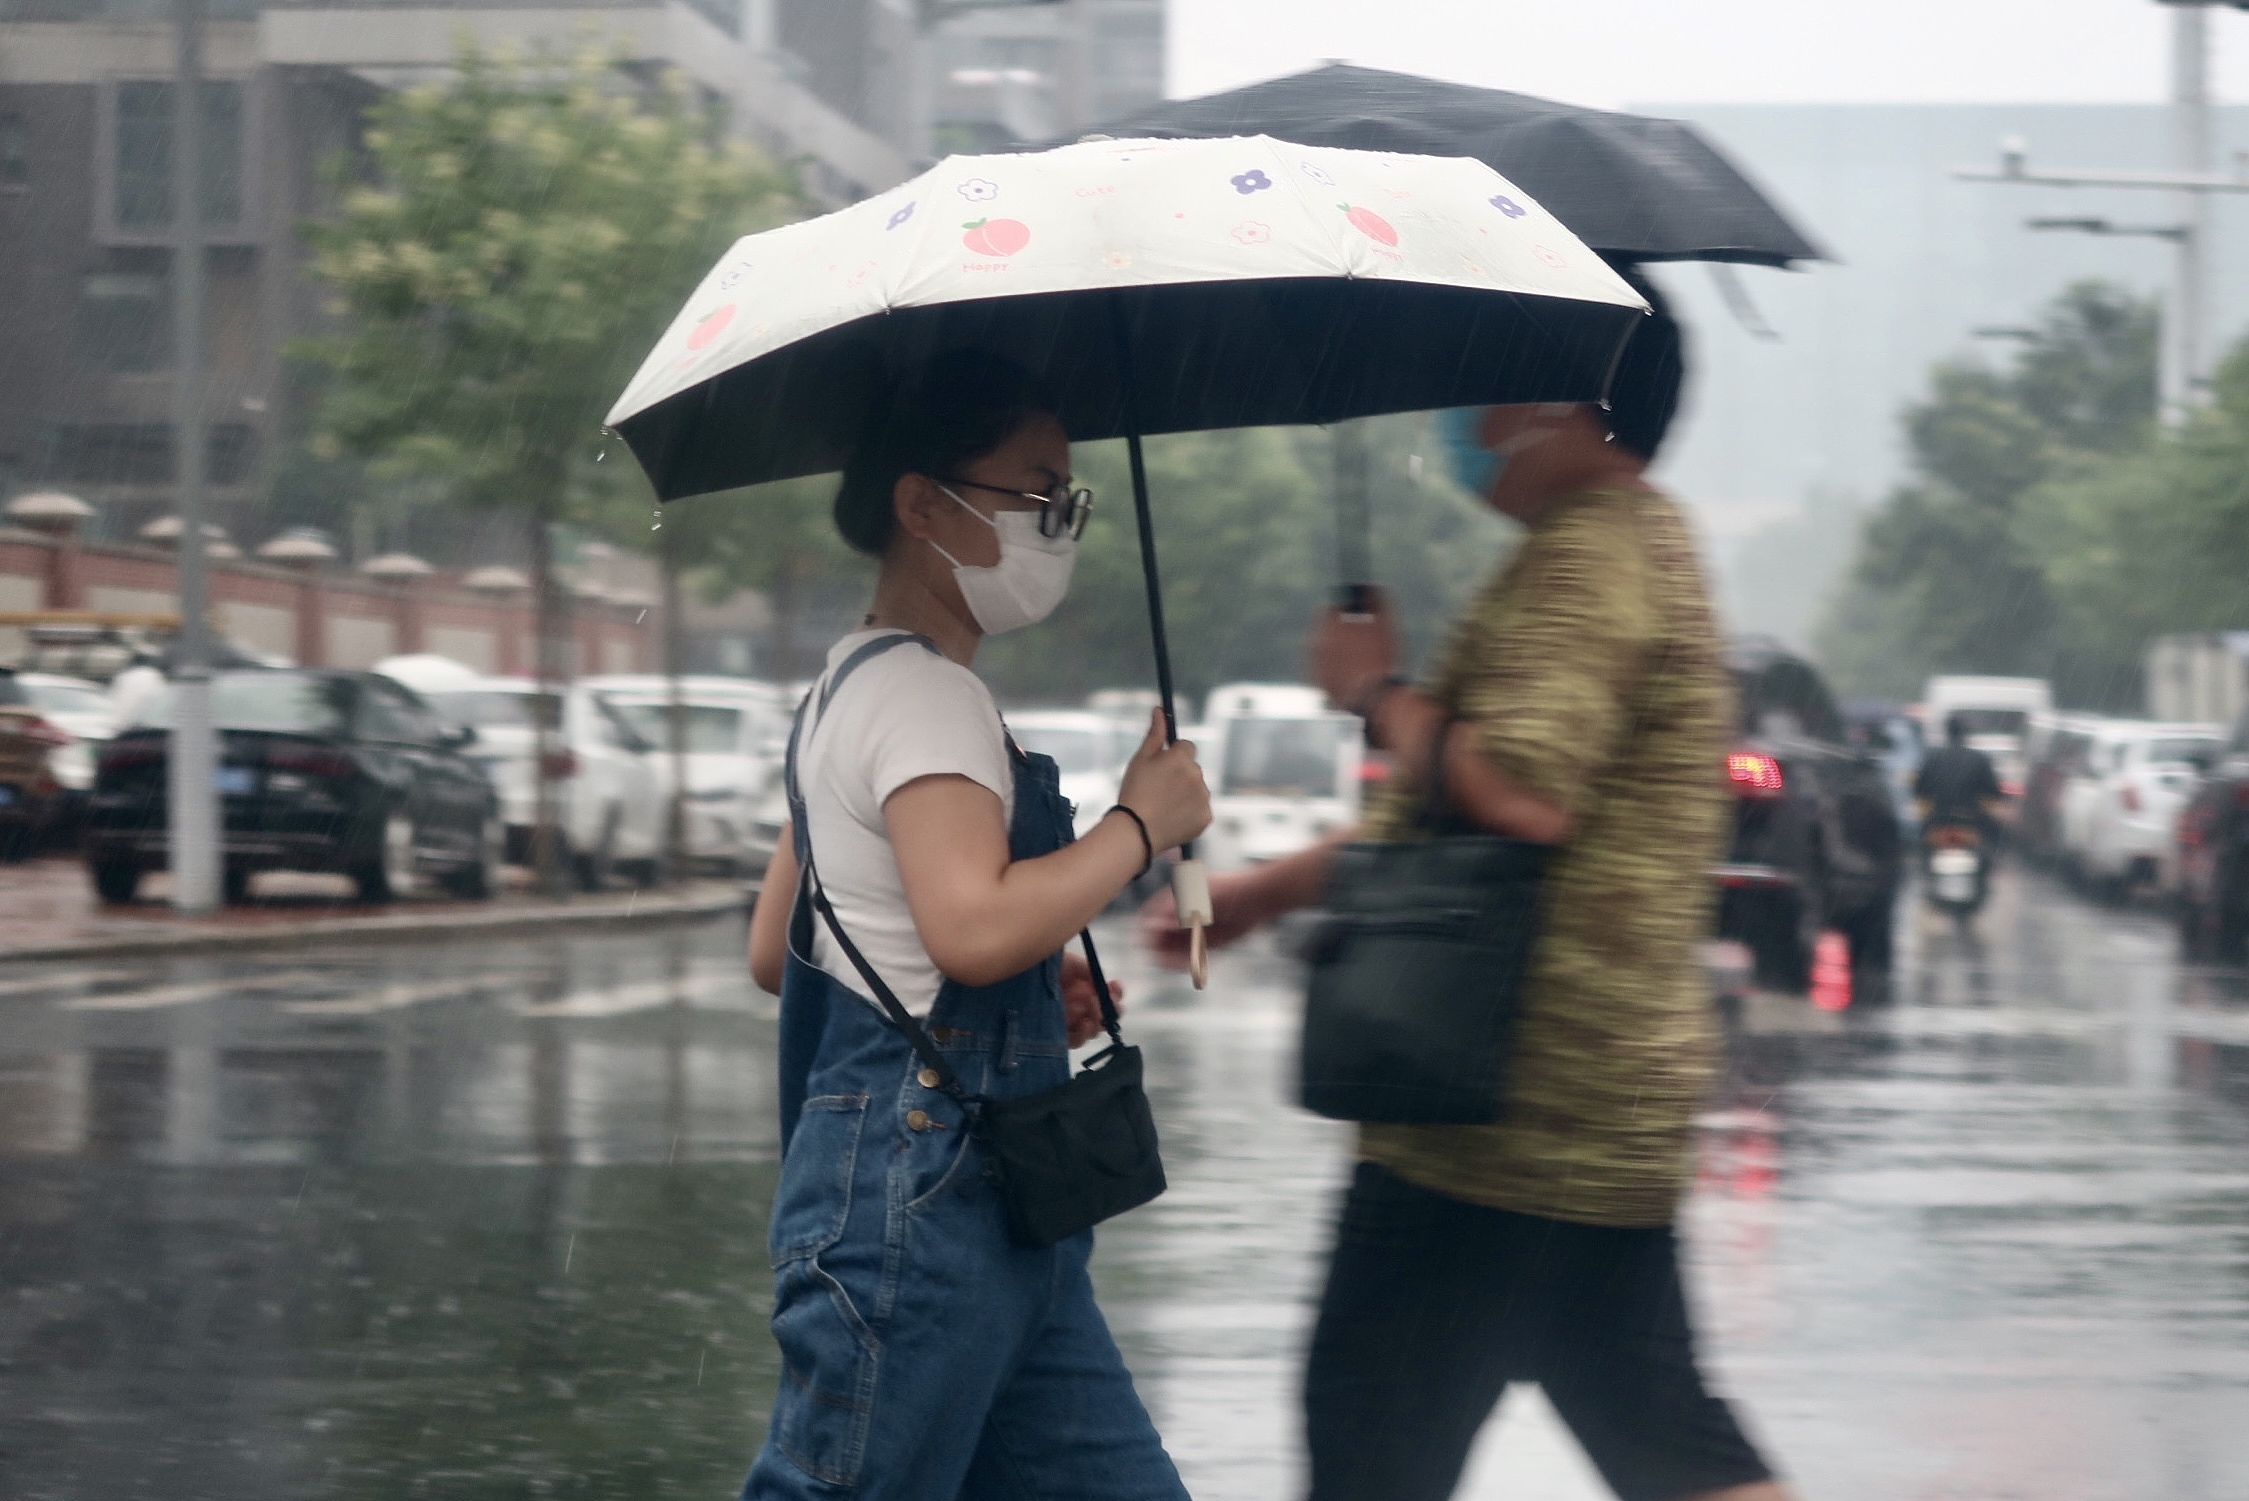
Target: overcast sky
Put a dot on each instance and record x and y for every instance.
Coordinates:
(1618, 52)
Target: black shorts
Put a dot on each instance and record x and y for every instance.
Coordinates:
(1433, 1305)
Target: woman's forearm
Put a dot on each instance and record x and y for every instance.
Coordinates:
(769, 920)
(1407, 722)
(981, 916)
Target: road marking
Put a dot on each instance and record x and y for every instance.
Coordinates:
(399, 997)
(646, 996)
(198, 990)
(59, 982)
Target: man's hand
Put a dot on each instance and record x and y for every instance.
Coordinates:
(1081, 1009)
(1349, 654)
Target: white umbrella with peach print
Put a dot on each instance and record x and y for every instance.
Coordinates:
(1152, 286)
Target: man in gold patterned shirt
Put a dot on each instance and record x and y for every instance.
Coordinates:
(1580, 702)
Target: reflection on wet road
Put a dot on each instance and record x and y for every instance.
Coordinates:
(488, 1221)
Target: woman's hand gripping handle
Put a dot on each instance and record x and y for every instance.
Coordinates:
(1165, 787)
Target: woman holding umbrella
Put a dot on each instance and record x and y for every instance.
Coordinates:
(924, 1353)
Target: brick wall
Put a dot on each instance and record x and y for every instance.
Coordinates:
(331, 619)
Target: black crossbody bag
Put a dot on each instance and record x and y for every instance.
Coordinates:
(1417, 972)
(1063, 1160)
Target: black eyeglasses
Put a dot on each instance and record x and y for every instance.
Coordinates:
(1063, 511)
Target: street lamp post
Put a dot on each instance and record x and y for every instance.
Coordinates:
(192, 794)
(2182, 373)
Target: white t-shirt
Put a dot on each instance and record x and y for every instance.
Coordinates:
(904, 714)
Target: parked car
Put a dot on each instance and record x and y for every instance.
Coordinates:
(30, 795)
(2212, 853)
(1089, 748)
(2133, 836)
(81, 711)
(317, 770)
(608, 789)
(1816, 836)
(2055, 749)
(2121, 806)
(1283, 767)
(736, 737)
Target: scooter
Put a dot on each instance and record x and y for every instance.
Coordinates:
(1955, 867)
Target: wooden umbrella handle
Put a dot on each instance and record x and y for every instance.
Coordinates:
(1190, 893)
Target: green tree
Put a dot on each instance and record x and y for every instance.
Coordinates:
(523, 231)
(2151, 542)
(1946, 577)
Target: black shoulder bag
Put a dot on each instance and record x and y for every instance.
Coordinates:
(1063, 1160)
(1417, 972)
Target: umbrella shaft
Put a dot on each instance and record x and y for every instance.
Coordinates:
(1155, 594)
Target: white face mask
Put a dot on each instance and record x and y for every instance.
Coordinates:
(1028, 581)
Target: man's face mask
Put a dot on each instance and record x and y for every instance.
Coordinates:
(1029, 580)
(1477, 468)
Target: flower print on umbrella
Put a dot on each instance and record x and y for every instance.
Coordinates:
(902, 215)
(980, 190)
(732, 276)
(1252, 181)
(1252, 232)
(1508, 206)
(1313, 171)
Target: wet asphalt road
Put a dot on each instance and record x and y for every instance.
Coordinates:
(487, 1221)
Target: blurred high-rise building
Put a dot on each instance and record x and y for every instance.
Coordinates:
(855, 92)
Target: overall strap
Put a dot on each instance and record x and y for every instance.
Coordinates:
(809, 890)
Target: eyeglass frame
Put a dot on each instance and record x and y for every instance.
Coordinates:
(1076, 502)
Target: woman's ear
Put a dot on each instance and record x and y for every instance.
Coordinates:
(912, 500)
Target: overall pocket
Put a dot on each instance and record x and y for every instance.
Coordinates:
(813, 1199)
(823, 1410)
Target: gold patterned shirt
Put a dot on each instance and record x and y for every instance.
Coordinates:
(1591, 668)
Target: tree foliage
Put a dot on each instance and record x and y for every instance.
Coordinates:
(525, 231)
(1954, 572)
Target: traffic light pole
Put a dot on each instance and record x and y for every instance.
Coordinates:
(192, 794)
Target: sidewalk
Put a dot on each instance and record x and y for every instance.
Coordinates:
(48, 911)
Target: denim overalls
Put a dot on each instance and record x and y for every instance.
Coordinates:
(925, 1356)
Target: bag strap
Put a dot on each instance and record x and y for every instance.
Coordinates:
(811, 892)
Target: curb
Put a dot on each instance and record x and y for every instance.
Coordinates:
(660, 911)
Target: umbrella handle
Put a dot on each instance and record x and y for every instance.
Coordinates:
(1190, 893)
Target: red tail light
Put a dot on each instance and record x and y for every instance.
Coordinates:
(560, 765)
(2130, 798)
(1373, 770)
(40, 732)
(311, 760)
(2011, 786)
(1755, 774)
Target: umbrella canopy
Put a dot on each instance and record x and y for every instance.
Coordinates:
(1633, 187)
(1153, 286)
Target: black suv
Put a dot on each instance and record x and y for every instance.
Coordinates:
(1816, 836)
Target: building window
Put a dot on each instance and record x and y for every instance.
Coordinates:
(227, 450)
(145, 129)
(15, 153)
(112, 453)
(125, 313)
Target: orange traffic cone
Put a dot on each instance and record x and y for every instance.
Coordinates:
(1831, 973)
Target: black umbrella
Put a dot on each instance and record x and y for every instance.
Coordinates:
(1633, 187)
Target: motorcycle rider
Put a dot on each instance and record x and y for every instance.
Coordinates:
(1956, 783)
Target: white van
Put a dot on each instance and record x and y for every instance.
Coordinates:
(1999, 713)
(1283, 770)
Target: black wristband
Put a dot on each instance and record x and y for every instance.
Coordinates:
(1147, 845)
